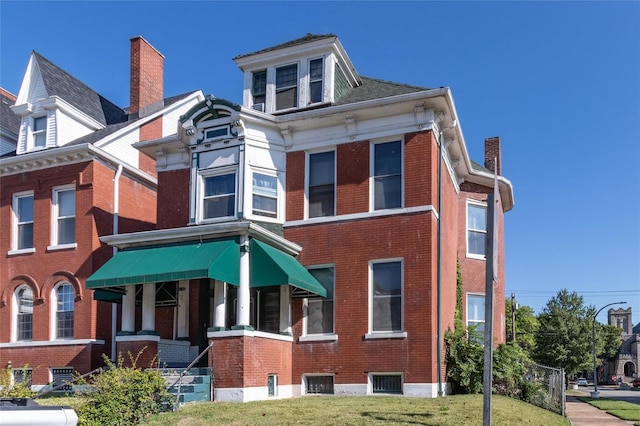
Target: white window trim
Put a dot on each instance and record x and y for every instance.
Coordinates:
(305, 377)
(274, 90)
(399, 334)
(55, 216)
(33, 132)
(279, 197)
(14, 223)
(467, 308)
(466, 227)
(307, 80)
(14, 314)
(206, 173)
(307, 169)
(385, 373)
(319, 337)
(372, 201)
(53, 318)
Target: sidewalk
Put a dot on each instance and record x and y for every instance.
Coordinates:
(582, 414)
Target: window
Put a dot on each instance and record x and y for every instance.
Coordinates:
(219, 196)
(62, 377)
(475, 313)
(265, 195)
(259, 88)
(64, 306)
(272, 384)
(24, 314)
(287, 87)
(315, 80)
(386, 284)
(22, 376)
(39, 131)
(320, 309)
(318, 384)
(64, 216)
(476, 229)
(23, 221)
(387, 175)
(322, 184)
(386, 383)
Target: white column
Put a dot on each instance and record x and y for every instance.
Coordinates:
(285, 309)
(149, 306)
(183, 309)
(220, 304)
(244, 296)
(129, 309)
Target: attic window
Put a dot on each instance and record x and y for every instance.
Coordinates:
(259, 87)
(315, 81)
(40, 131)
(287, 87)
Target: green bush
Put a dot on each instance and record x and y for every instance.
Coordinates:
(13, 390)
(122, 395)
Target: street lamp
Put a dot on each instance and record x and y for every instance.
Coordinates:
(595, 393)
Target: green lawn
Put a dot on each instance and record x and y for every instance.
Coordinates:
(621, 409)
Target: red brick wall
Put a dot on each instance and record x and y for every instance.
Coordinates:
(149, 131)
(146, 78)
(144, 353)
(173, 199)
(353, 178)
(295, 185)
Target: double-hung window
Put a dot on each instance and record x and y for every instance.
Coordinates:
(387, 175)
(64, 216)
(39, 131)
(321, 191)
(476, 229)
(219, 198)
(287, 87)
(64, 311)
(265, 195)
(386, 296)
(320, 312)
(259, 90)
(475, 314)
(23, 221)
(24, 314)
(315, 80)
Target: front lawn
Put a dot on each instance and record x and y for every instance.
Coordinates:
(621, 409)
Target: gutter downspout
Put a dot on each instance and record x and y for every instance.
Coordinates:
(116, 210)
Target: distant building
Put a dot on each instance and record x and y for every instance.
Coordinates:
(311, 234)
(625, 366)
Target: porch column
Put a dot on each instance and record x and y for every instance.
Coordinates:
(244, 296)
(285, 309)
(220, 304)
(183, 309)
(129, 309)
(149, 307)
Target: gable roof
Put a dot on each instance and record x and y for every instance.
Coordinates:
(305, 39)
(60, 83)
(372, 88)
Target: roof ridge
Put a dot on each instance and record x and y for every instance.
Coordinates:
(300, 40)
(412, 86)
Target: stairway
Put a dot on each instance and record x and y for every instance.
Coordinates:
(195, 386)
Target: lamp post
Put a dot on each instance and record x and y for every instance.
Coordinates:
(595, 394)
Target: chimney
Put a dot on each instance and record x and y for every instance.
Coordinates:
(492, 156)
(146, 80)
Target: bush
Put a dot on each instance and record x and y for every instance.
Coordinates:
(15, 390)
(123, 395)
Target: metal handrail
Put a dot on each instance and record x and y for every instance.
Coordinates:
(186, 370)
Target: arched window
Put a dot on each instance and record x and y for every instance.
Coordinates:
(63, 303)
(24, 314)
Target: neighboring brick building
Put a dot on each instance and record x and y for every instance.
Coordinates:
(69, 174)
(328, 169)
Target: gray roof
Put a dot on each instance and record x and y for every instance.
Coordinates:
(60, 83)
(479, 167)
(372, 88)
(8, 119)
(305, 39)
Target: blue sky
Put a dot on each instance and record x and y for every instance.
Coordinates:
(559, 82)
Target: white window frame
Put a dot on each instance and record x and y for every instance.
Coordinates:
(26, 373)
(54, 312)
(15, 221)
(311, 80)
(372, 176)
(55, 217)
(386, 334)
(474, 203)
(202, 177)
(276, 88)
(313, 337)
(370, 376)
(474, 322)
(254, 102)
(305, 383)
(41, 132)
(307, 176)
(268, 216)
(15, 307)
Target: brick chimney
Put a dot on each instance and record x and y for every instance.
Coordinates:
(146, 80)
(492, 156)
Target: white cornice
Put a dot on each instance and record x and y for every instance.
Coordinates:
(56, 102)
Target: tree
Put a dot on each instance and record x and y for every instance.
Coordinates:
(526, 326)
(563, 339)
(608, 338)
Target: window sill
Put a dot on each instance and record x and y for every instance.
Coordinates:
(63, 247)
(21, 251)
(386, 335)
(318, 338)
(476, 256)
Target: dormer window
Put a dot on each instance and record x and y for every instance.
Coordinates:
(259, 90)
(39, 132)
(315, 80)
(287, 87)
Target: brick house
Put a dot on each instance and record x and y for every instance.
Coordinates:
(310, 235)
(69, 175)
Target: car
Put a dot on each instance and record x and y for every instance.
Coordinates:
(581, 381)
(636, 383)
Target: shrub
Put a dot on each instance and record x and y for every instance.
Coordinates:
(15, 390)
(123, 395)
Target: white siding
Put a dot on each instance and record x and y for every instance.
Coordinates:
(122, 147)
(6, 145)
(36, 87)
(69, 129)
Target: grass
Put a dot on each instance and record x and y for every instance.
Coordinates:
(621, 409)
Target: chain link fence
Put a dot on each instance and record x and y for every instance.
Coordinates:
(548, 387)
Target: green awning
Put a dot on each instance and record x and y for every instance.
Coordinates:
(210, 259)
(270, 266)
